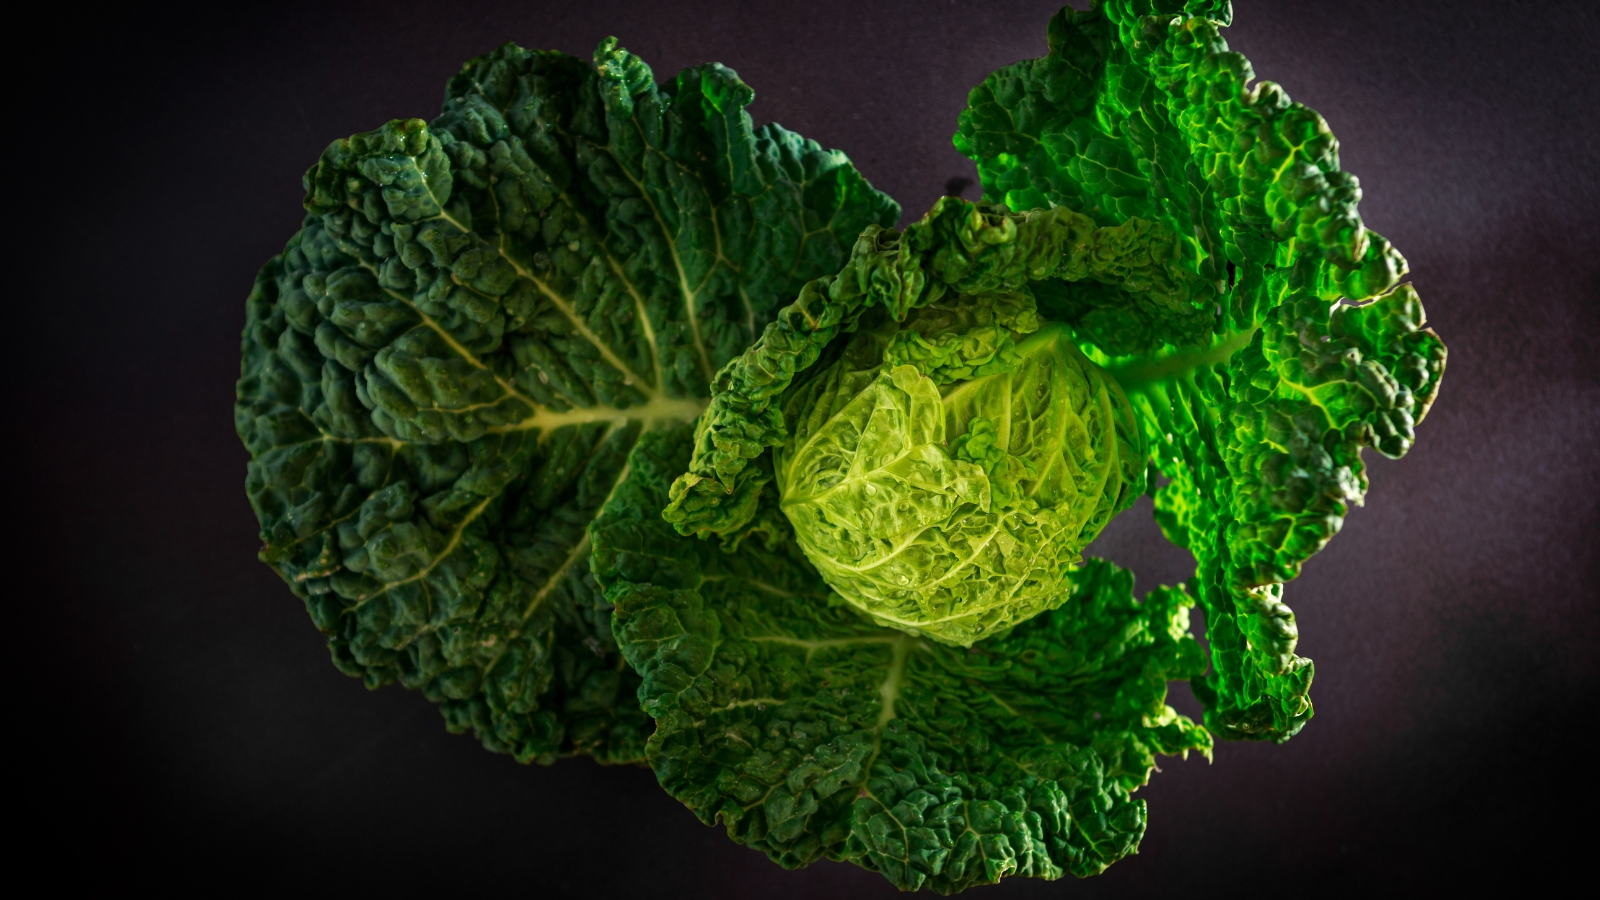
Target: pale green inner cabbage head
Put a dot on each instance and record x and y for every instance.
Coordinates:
(945, 473)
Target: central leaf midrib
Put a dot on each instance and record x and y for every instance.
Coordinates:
(658, 409)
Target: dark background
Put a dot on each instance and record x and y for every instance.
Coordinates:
(175, 714)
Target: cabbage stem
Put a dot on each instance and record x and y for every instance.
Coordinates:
(1137, 373)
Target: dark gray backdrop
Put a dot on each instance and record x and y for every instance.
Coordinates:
(178, 715)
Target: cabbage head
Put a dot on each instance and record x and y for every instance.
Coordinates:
(944, 477)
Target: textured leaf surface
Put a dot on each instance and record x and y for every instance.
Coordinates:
(1256, 396)
(955, 512)
(445, 370)
(809, 732)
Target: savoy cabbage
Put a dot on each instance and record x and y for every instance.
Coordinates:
(619, 426)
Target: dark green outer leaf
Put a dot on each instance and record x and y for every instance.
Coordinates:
(444, 371)
(809, 732)
(1263, 452)
(1140, 112)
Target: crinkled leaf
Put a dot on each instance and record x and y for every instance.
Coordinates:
(1264, 456)
(1255, 394)
(1139, 110)
(446, 368)
(810, 733)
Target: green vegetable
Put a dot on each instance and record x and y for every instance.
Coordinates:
(445, 370)
(468, 385)
(1229, 307)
